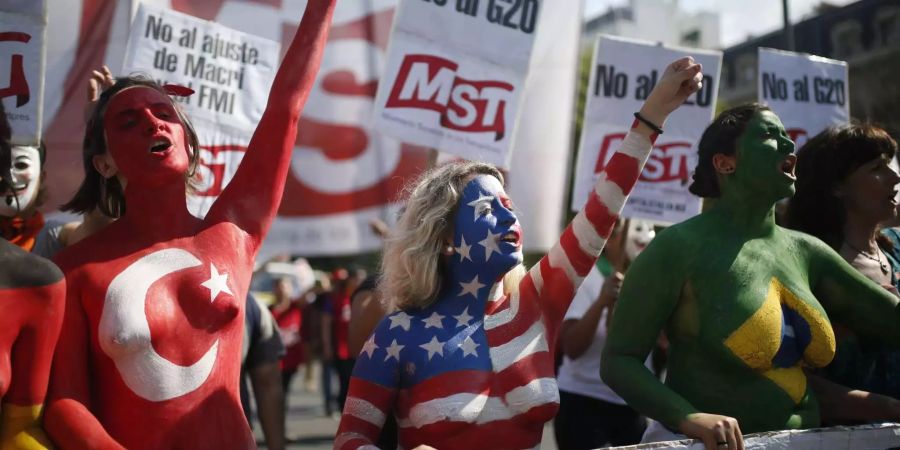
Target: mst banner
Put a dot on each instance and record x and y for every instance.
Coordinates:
(230, 73)
(455, 74)
(623, 74)
(809, 93)
(22, 25)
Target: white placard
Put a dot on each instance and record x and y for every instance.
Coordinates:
(623, 74)
(22, 49)
(809, 93)
(455, 73)
(231, 72)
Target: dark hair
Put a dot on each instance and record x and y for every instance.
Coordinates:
(825, 161)
(721, 136)
(106, 194)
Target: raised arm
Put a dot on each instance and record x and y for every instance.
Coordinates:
(557, 276)
(373, 390)
(69, 419)
(251, 199)
(852, 299)
(31, 355)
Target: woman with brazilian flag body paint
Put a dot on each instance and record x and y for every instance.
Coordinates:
(468, 360)
(742, 300)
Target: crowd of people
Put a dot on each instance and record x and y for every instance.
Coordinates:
(775, 308)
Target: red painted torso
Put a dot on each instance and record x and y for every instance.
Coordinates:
(184, 325)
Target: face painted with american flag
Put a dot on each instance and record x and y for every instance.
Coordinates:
(487, 238)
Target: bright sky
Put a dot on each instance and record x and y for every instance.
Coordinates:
(739, 18)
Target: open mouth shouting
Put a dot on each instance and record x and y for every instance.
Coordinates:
(787, 167)
(160, 145)
(513, 237)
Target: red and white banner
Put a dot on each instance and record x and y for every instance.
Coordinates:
(344, 172)
(455, 74)
(623, 74)
(809, 93)
(22, 26)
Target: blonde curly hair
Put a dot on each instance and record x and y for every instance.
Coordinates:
(412, 266)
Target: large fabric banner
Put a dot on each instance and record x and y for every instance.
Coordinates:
(809, 93)
(230, 73)
(623, 74)
(455, 74)
(864, 437)
(22, 25)
(344, 171)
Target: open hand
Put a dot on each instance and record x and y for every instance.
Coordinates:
(100, 80)
(681, 79)
(716, 432)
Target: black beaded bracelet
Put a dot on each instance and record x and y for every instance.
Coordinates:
(649, 124)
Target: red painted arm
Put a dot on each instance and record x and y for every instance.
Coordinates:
(558, 274)
(69, 420)
(253, 196)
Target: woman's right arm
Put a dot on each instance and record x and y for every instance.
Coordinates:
(373, 390)
(68, 419)
(649, 295)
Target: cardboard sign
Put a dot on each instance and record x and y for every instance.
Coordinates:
(455, 73)
(809, 93)
(22, 27)
(624, 73)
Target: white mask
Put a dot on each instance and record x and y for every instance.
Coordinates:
(640, 233)
(24, 181)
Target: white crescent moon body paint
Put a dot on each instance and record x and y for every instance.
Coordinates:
(124, 332)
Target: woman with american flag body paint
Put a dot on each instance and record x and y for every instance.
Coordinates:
(467, 361)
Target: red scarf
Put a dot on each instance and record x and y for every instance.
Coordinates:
(22, 232)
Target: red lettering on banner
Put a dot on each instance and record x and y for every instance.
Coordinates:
(18, 83)
(430, 82)
(214, 162)
(667, 162)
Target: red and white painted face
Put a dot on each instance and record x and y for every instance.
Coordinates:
(145, 137)
(25, 179)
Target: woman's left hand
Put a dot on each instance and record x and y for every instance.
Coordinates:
(681, 79)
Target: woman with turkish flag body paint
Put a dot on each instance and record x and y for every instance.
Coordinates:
(32, 295)
(467, 361)
(150, 351)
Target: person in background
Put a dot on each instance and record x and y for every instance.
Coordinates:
(288, 314)
(262, 351)
(845, 190)
(336, 328)
(591, 414)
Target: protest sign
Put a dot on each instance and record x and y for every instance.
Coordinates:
(344, 172)
(22, 27)
(623, 74)
(455, 73)
(809, 93)
(230, 73)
